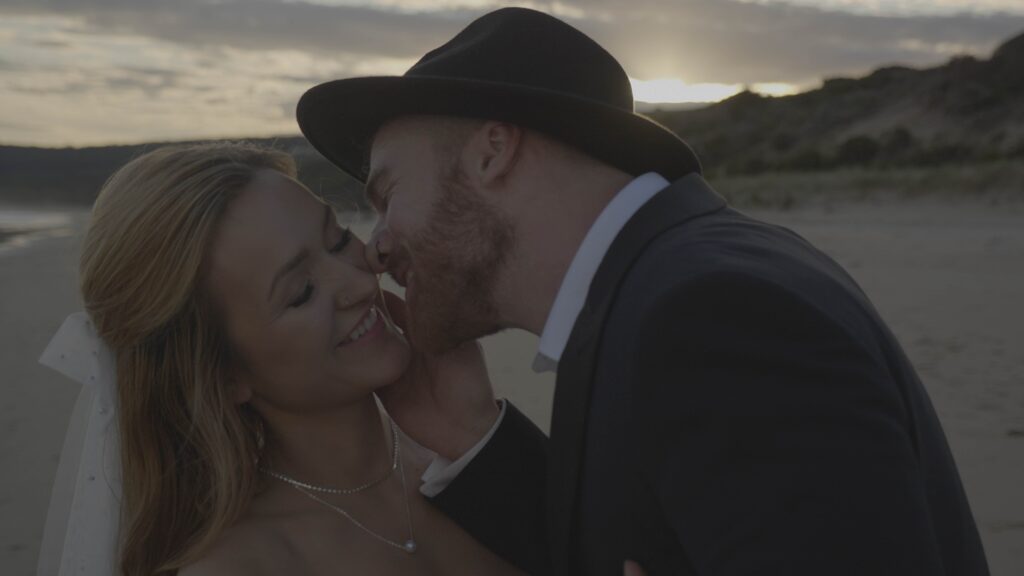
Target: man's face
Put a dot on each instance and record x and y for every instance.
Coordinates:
(436, 235)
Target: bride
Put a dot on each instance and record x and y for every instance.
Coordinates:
(249, 337)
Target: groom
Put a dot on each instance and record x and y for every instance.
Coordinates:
(728, 401)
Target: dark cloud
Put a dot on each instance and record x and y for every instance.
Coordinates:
(259, 24)
(700, 40)
(54, 44)
(63, 88)
(150, 81)
(723, 41)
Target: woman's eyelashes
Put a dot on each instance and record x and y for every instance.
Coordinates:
(346, 237)
(307, 290)
(307, 293)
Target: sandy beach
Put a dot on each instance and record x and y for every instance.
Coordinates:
(948, 277)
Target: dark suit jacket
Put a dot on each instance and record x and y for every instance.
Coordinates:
(729, 403)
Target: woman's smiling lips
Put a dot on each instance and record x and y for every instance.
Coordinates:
(369, 326)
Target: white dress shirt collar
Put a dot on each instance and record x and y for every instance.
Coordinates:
(576, 283)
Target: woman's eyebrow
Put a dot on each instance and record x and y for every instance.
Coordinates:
(288, 268)
(297, 260)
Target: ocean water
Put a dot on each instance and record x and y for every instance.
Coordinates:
(20, 227)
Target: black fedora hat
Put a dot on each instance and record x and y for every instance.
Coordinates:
(514, 65)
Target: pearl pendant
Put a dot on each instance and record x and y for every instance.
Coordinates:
(410, 546)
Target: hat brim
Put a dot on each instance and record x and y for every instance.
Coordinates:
(339, 118)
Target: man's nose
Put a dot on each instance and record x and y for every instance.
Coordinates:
(378, 249)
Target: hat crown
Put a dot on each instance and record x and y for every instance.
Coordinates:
(530, 49)
(512, 65)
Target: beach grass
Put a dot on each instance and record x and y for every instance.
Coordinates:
(994, 183)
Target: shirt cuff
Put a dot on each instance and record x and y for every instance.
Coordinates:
(442, 471)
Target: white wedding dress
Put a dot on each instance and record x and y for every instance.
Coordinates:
(80, 537)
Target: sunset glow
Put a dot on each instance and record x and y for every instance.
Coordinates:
(100, 72)
(675, 91)
(775, 89)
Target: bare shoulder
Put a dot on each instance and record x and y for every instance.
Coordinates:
(251, 547)
(218, 565)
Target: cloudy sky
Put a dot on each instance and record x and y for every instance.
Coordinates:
(90, 72)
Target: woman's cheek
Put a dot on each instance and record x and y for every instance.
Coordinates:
(302, 330)
(323, 321)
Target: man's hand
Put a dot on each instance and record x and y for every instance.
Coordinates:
(444, 402)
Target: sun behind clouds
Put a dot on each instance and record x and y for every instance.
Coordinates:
(675, 91)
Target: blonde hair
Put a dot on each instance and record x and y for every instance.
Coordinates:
(188, 452)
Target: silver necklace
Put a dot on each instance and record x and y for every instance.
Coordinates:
(410, 544)
(331, 490)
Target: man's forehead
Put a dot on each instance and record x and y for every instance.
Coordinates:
(382, 146)
(399, 128)
(375, 183)
(397, 143)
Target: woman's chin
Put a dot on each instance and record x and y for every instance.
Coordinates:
(390, 366)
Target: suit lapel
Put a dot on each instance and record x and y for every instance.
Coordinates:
(683, 200)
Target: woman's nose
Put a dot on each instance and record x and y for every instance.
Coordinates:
(352, 285)
(378, 249)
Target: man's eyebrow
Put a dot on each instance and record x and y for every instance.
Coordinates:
(375, 186)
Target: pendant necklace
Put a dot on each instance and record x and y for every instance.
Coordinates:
(410, 544)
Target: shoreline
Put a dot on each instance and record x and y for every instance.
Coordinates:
(21, 226)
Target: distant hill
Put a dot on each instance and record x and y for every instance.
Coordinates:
(75, 175)
(966, 111)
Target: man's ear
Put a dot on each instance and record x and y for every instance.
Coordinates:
(497, 147)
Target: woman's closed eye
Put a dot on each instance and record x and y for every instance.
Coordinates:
(346, 237)
(307, 293)
(307, 290)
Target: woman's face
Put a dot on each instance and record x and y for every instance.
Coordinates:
(301, 307)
